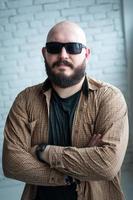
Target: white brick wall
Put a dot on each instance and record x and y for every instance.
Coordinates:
(23, 28)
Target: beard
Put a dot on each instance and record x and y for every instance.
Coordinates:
(62, 80)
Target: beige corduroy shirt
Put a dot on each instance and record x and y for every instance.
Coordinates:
(102, 111)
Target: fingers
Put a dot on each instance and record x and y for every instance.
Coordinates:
(96, 140)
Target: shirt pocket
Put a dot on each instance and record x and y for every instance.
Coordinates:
(86, 131)
(32, 126)
(38, 132)
(33, 130)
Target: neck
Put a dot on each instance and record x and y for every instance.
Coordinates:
(69, 91)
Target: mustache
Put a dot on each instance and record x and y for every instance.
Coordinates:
(64, 62)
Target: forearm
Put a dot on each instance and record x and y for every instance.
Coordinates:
(91, 163)
(24, 166)
(85, 163)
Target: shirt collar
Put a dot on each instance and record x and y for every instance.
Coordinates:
(88, 84)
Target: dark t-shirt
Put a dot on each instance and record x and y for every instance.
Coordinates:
(61, 118)
(60, 127)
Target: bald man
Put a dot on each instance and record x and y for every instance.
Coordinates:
(66, 138)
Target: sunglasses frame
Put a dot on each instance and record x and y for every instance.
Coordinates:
(67, 47)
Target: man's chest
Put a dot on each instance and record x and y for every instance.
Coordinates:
(82, 126)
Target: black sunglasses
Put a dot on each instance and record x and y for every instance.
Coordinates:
(71, 47)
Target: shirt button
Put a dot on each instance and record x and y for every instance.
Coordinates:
(52, 179)
(58, 162)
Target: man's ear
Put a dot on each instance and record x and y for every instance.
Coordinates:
(43, 52)
(87, 54)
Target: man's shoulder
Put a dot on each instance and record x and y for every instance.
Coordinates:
(32, 89)
(95, 84)
(30, 93)
(106, 92)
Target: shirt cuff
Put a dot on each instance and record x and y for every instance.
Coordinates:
(53, 156)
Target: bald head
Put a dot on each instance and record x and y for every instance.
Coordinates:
(66, 31)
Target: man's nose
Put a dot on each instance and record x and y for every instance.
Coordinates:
(63, 54)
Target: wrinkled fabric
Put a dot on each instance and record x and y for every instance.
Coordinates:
(104, 112)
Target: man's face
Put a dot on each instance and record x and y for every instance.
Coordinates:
(64, 69)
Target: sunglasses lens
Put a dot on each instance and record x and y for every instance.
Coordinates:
(53, 47)
(74, 48)
(71, 47)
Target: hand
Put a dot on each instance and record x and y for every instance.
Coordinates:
(40, 152)
(96, 140)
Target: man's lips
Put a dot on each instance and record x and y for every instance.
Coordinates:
(62, 65)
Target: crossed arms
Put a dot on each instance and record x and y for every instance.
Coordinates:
(100, 160)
